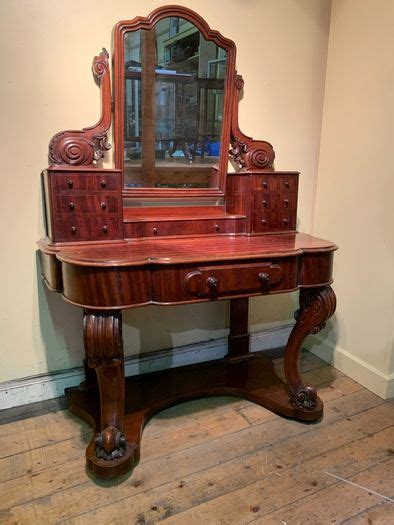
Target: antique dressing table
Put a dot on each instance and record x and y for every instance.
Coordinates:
(169, 225)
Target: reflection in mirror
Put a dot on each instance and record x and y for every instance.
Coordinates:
(174, 94)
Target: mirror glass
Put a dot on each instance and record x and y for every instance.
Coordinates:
(173, 109)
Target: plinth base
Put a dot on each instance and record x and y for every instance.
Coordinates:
(253, 379)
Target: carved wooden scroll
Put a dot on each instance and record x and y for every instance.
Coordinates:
(249, 154)
(85, 147)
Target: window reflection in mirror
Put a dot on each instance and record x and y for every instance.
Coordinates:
(174, 95)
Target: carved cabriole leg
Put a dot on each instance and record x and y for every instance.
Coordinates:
(317, 305)
(104, 352)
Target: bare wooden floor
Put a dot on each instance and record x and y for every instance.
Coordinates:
(214, 461)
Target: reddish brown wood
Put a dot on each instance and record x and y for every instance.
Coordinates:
(253, 379)
(148, 23)
(105, 258)
(84, 148)
(238, 339)
(104, 352)
(316, 306)
(84, 205)
(249, 154)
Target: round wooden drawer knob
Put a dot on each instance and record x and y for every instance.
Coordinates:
(264, 278)
(105, 229)
(212, 283)
(70, 184)
(155, 231)
(103, 184)
(103, 206)
(71, 206)
(73, 230)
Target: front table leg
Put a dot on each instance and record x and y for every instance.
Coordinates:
(109, 452)
(317, 305)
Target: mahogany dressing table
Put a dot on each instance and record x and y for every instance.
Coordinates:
(168, 225)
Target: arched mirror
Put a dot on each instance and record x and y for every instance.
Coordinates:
(173, 85)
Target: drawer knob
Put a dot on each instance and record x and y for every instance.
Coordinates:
(212, 283)
(155, 231)
(263, 221)
(103, 206)
(264, 278)
(73, 230)
(286, 202)
(287, 185)
(285, 222)
(103, 184)
(71, 206)
(265, 204)
(70, 184)
(105, 229)
(217, 227)
(265, 184)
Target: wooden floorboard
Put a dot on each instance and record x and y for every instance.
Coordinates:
(213, 461)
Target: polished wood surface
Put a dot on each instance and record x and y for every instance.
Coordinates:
(109, 248)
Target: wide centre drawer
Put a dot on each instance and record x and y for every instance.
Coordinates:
(210, 281)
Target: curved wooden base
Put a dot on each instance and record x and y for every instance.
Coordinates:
(253, 379)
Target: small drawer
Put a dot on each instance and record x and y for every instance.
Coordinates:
(274, 220)
(277, 183)
(69, 229)
(67, 182)
(96, 203)
(264, 202)
(174, 228)
(228, 280)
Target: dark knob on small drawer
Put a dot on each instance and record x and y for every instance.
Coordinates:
(265, 204)
(155, 231)
(286, 203)
(73, 230)
(264, 278)
(265, 184)
(103, 206)
(103, 184)
(212, 283)
(217, 227)
(286, 183)
(105, 229)
(70, 184)
(263, 221)
(285, 221)
(71, 206)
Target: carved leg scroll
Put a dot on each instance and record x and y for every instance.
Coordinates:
(317, 305)
(104, 352)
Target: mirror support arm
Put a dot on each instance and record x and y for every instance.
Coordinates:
(87, 146)
(249, 154)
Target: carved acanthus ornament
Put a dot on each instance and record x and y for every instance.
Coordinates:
(87, 146)
(249, 154)
(316, 306)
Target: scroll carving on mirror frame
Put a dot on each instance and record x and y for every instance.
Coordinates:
(85, 147)
(249, 154)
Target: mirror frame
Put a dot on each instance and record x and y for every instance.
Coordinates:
(149, 22)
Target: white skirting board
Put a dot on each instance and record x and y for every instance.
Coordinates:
(48, 386)
(374, 380)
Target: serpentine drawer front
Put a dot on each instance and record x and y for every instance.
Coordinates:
(263, 277)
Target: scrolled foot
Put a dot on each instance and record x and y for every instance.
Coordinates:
(110, 444)
(305, 397)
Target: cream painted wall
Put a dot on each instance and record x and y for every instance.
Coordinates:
(354, 203)
(46, 86)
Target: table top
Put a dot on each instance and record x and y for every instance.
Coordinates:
(179, 250)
